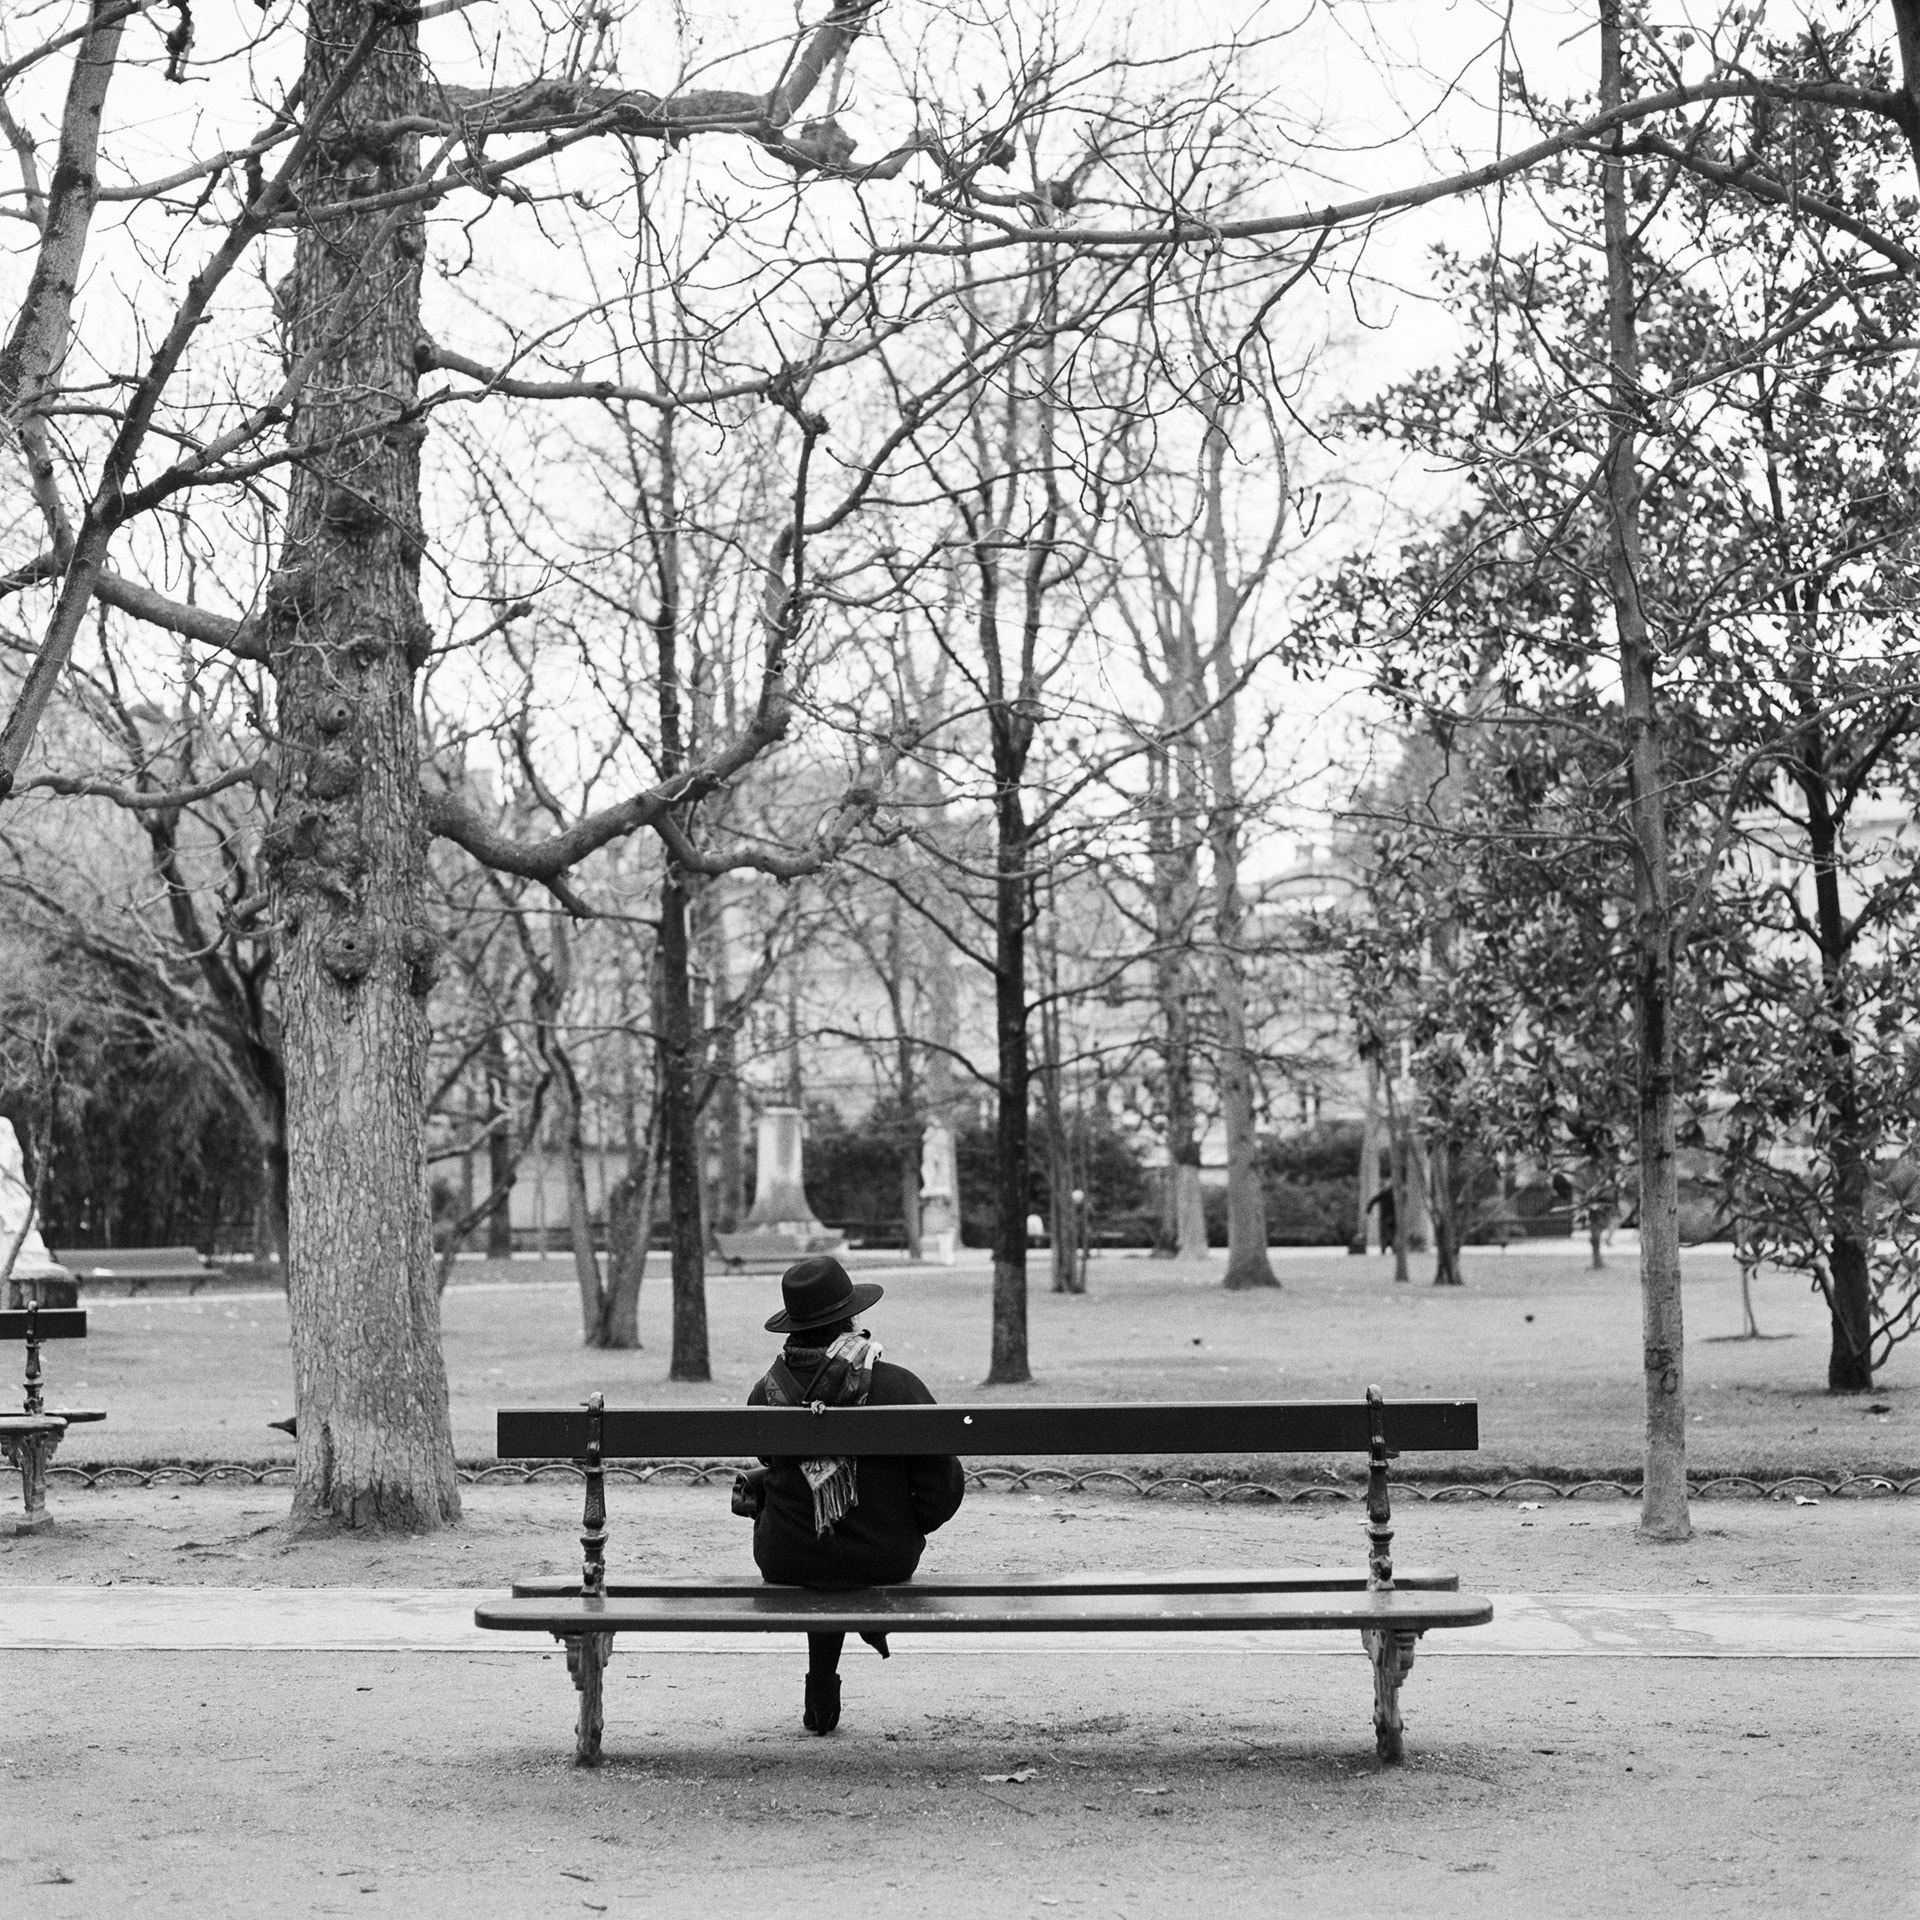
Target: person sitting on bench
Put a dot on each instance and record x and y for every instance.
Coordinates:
(835, 1522)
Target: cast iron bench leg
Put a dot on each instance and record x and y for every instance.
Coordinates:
(30, 1453)
(587, 1663)
(1391, 1651)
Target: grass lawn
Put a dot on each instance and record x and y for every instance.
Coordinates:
(1550, 1350)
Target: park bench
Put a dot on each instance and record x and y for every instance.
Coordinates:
(28, 1438)
(1389, 1613)
(139, 1267)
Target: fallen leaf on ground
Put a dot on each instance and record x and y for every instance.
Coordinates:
(1153, 1789)
(1019, 1779)
(1802, 1500)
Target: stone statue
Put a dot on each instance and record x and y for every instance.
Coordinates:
(33, 1265)
(939, 1196)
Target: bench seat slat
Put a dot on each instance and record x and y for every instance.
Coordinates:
(1191, 1580)
(21, 1426)
(1227, 1426)
(902, 1610)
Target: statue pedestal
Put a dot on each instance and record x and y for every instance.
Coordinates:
(50, 1285)
(780, 1225)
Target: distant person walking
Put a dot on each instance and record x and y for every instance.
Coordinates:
(837, 1522)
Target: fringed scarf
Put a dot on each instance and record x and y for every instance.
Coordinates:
(837, 1376)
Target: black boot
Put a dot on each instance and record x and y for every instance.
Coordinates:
(823, 1703)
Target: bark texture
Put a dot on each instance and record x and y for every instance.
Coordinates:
(375, 1446)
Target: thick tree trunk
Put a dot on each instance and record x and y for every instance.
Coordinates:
(1008, 1365)
(375, 1445)
(1663, 1507)
(680, 1117)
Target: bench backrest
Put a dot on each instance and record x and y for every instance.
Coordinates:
(107, 1263)
(1229, 1426)
(44, 1323)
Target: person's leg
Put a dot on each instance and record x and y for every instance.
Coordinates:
(822, 1713)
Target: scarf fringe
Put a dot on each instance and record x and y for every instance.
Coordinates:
(833, 1479)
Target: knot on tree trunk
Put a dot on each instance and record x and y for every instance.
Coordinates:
(290, 595)
(332, 775)
(348, 510)
(421, 951)
(347, 953)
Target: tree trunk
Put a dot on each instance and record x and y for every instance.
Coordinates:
(726, 1200)
(911, 1121)
(1849, 1151)
(1060, 1231)
(1369, 1181)
(680, 1117)
(1400, 1158)
(500, 1154)
(573, 1163)
(629, 1233)
(1663, 1508)
(1182, 1229)
(1247, 1262)
(1008, 1365)
(1441, 1200)
(730, 1182)
(375, 1443)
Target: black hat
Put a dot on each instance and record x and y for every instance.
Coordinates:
(818, 1292)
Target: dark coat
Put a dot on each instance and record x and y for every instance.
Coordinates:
(878, 1542)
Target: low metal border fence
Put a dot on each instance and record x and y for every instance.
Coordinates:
(1016, 1479)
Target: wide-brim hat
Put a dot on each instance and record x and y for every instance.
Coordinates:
(818, 1291)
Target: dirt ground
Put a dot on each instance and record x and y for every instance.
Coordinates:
(225, 1536)
(430, 1785)
(388, 1784)
(439, 1783)
(1551, 1352)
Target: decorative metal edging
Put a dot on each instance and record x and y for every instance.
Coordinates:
(700, 1473)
